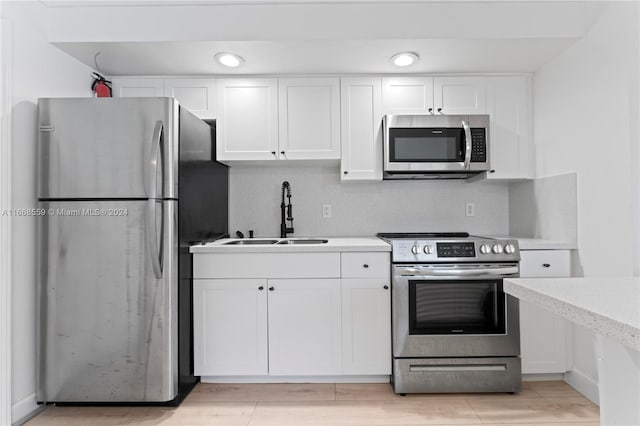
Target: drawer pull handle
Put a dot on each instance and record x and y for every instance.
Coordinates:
(271, 288)
(386, 287)
(365, 266)
(261, 288)
(546, 265)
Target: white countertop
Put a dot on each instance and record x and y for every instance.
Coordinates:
(540, 244)
(609, 306)
(334, 244)
(530, 243)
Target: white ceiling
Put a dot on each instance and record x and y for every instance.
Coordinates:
(314, 37)
(317, 57)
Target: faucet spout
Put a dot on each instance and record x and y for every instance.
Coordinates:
(286, 211)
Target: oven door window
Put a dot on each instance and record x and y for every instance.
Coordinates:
(426, 145)
(456, 307)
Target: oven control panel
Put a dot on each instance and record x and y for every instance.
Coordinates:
(472, 249)
(449, 250)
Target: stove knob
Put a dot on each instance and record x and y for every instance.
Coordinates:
(497, 248)
(415, 249)
(485, 249)
(509, 248)
(428, 249)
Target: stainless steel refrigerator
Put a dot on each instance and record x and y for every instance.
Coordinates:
(124, 186)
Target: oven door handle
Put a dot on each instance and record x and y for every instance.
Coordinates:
(457, 272)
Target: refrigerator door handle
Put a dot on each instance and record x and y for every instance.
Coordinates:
(154, 249)
(156, 140)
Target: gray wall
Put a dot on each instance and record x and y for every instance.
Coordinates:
(361, 209)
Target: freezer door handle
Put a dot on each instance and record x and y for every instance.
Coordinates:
(154, 248)
(156, 140)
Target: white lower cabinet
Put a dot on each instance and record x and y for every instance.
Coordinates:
(230, 327)
(327, 323)
(366, 326)
(304, 327)
(543, 335)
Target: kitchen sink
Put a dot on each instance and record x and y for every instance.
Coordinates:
(249, 242)
(304, 241)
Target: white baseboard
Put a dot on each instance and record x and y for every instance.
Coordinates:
(295, 379)
(542, 377)
(583, 384)
(24, 408)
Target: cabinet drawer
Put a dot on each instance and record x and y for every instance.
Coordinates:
(545, 263)
(365, 265)
(266, 265)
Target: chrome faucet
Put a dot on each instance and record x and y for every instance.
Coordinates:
(286, 211)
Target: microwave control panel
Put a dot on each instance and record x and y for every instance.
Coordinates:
(478, 145)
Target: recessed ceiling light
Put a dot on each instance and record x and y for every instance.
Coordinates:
(404, 59)
(230, 60)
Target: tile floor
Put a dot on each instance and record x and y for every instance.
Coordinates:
(539, 403)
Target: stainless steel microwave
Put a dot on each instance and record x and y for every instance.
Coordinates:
(435, 146)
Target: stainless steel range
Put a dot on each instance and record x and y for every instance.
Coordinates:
(454, 328)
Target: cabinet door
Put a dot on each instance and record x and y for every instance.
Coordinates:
(407, 95)
(542, 334)
(511, 145)
(459, 95)
(361, 126)
(198, 95)
(247, 123)
(366, 326)
(304, 327)
(309, 118)
(230, 327)
(137, 87)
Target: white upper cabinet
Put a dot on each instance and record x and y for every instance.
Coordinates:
(309, 118)
(459, 95)
(198, 95)
(407, 95)
(285, 119)
(137, 87)
(361, 126)
(511, 142)
(247, 125)
(433, 95)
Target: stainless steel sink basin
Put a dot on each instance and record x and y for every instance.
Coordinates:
(249, 242)
(304, 241)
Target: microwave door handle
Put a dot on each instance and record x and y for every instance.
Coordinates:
(467, 151)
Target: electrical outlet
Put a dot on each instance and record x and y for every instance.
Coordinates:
(470, 209)
(326, 211)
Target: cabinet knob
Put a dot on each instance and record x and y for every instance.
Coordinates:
(365, 266)
(273, 152)
(345, 172)
(271, 288)
(546, 265)
(261, 288)
(386, 287)
(439, 109)
(282, 152)
(431, 110)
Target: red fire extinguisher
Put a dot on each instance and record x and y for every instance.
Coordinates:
(101, 86)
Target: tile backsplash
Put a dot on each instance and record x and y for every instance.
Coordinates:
(545, 208)
(361, 209)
